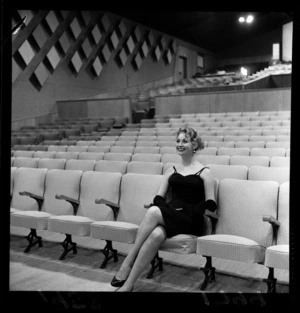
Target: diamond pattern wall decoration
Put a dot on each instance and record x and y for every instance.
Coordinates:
(145, 49)
(114, 39)
(96, 34)
(169, 56)
(157, 53)
(106, 53)
(53, 57)
(97, 66)
(137, 33)
(130, 44)
(86, 16)
(105, 21)
(75, 28)
(86, 47)
(40, 36)
(173, 46)
(52, 21)
(163, 43)
(122, 28)
(151, 39)
(41, 73)
(123, 57)
(64, 42)
(26, 52)
(76, 62)
(137, 61)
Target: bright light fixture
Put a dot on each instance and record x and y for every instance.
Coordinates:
(241, 19)
(249, 19)
(244, 71)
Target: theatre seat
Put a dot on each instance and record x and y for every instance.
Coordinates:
(130, 212)
(92, 185)
(277, 255)
(111, 166)
(240, 234)
(50, 164)
(278, 174)
(220, 171)
(146, 157)
(280, 162)
(56, 182)
(25, 162)
(249, 160)
(137, 167)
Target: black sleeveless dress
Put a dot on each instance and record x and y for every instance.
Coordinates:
(184, 213)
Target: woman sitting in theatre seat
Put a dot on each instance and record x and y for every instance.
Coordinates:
(192, 193)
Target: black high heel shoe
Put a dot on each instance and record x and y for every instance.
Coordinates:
(117, 283)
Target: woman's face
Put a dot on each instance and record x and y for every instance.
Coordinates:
(184, 144)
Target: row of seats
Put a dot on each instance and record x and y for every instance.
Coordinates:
(278, 170)
(101, 205)
(148, 164)
(125, 153)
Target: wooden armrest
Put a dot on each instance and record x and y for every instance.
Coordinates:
(114, 206)
(37, 198)
(272, 220)
(63, 197)
(29, 194)
(74, 202)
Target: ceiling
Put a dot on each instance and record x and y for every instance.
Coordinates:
(213, 31)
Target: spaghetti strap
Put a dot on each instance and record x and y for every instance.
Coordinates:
(174, 169)
(203, 168)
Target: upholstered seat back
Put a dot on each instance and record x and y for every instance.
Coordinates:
(242, 204)
(283, 213)
(137, 190)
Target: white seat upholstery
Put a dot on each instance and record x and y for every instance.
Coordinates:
(280, 162)
(111, 166)
(154, 168)
(240, 234)
(220, 171)
(249, 160)
(52, 163)
(213, 159)
(25, 162)
(278, 174)
(82, 165)
(146, 157)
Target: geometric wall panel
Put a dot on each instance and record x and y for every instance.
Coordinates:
(137, 33)
(97, 66)
(122, 28)
(28, 14)
(157, 52)
(163, 43)
(64, 42)
(86, 47)
(105, 22)
(26, 52)
(173, 46)
(106, 53)
(114, 39)
(145, 49)
(64, 13)
(40, 36)
(137, 61)
(169, 56)
(123, 57)
(41, 73)
(16, 70)
(130, 44)
(53, 57)
(75, 28)
(52, 21)
(76, 62)
(86, 16)
(96, 34)
(151, 38)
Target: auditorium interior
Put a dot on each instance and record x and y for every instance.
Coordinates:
(97, 98)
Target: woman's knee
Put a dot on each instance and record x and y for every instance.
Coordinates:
(153, 211)
(158, 234)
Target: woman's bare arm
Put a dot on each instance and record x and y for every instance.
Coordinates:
(165, 183)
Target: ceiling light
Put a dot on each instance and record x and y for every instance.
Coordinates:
(249, 19)
(241, 19)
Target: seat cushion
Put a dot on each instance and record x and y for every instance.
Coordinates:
(278, 257)
(231, 247)
(70, 224)
(182, 244)
(30, 219)
(13, 210)
(114, 231)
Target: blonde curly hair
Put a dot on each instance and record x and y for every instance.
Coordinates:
(193, 135)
